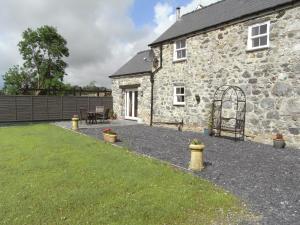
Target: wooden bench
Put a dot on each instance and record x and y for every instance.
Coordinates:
(238, 129)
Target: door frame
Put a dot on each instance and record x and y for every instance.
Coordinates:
(126, 104)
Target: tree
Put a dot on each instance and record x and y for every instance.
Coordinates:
(43, 51)
(91, 86)
(16, 79)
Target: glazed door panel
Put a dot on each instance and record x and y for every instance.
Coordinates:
(131, 104)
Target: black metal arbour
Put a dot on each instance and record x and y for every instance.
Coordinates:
(236, 125)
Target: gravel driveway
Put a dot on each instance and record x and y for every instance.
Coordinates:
(267, 178)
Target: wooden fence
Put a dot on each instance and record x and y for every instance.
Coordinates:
(47, 108)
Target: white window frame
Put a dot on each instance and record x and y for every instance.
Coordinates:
(175, 101)
(250, 37)
(175, 59)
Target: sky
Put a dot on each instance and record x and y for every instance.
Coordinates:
(102, 35)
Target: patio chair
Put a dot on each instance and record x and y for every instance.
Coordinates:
(84, 115)
(100, 113)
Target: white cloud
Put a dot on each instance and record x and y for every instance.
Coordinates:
(165, 13)
(163, 18)
(101, 35)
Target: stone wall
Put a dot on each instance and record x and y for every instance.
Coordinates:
(144, 95)
(269, 77)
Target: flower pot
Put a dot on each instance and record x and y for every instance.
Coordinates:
(278, 143)
(196, 163)
(111, 138)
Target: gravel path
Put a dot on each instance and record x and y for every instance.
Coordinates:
(267, 178)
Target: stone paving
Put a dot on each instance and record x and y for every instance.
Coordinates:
(264, 177)
(107, 123)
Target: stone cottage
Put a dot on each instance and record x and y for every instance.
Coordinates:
(132, 88)
(252, 44)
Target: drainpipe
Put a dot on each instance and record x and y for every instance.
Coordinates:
(152, 85)
(152, 97)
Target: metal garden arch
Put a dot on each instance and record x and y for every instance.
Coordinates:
(229, 111)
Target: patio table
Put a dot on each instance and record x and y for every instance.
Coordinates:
(92, 115)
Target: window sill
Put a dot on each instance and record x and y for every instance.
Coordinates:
(258, 49)
(178, 104)
(179, 60)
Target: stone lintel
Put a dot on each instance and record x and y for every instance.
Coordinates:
(130, 86)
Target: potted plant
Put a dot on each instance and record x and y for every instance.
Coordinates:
(109, 135)
(196, 148)
(112, 115)
(278, 141)
(209, 130)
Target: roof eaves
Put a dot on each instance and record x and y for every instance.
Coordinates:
(129, 74)
(153, 44)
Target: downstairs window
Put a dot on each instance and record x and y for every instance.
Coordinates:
(179, 95)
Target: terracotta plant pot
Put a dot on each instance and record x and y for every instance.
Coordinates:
(197, 163)
(111, 138)
(278, 143)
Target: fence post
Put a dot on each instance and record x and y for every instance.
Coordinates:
(31, 108)
(76, 104)
(47, 107)
(16, 109)
(62, 107)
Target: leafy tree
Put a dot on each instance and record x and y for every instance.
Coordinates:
(43, 51)
(91, 86)
(84, 90)
(16, 79)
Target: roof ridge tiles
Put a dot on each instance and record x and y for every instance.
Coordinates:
(204, 7)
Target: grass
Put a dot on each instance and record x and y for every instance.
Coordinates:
(52, 176)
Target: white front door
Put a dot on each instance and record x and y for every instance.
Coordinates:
(131, 104)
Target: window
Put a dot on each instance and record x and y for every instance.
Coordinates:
(180, 50)
(179, 96)
(259, 36)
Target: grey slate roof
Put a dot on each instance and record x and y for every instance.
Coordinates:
(136, 65)
(216, 14)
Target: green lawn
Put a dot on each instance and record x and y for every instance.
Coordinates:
(52, 176)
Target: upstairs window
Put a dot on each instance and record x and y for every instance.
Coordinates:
(180, 50)
(179, 95)
(259, 36)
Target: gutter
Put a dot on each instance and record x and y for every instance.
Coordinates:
(130, 74)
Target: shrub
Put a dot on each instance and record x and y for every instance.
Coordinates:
(196, 142)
